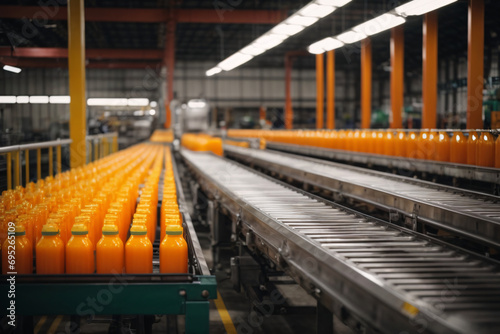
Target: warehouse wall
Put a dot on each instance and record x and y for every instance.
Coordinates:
(241, 88)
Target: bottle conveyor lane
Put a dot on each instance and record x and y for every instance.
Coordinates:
(389, 278)
(473, 215)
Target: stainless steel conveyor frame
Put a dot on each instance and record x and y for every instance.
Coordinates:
(473, 215)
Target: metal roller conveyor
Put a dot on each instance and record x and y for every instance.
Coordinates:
(473, 215)
(391, 279)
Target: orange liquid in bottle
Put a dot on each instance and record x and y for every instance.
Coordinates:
(497, 153)
(173, 252)
(389, 143)
(50, 251)
(138, 251)
(432, 145)
(79, 251)
(458, 148)
(110, 251)
(411, 145)
(472, 147)
(485, 150)
(23, 263)
(400, 144)
(443, 147)
(169, 220)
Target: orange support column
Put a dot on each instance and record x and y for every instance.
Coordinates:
(320, 91)
(169, 64)
(397, 76)
(330, 89)
(288, 94)
(366, 83)
(475, 65)
(429, 70)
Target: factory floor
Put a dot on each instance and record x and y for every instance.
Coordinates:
(240, 320)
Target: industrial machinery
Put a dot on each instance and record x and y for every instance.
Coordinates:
(191, 117)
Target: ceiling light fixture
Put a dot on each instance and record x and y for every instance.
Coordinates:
(303, 18)
(12, 69)
(419, 7)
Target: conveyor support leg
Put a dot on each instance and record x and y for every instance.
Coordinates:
(197, 317)
(324, 320)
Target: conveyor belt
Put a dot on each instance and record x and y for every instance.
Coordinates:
(470, 214)
(392, 279)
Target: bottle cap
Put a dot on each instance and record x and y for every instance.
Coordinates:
(50, 229)
(138, 229)
(20, 230)
(79, 229)
(110, 229)
(173, 230)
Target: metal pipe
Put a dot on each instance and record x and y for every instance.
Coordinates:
(34, 146)
(17, 158)
(39, 163)
(366, 83)
(51, 162)
(58, 157)
(27, 165)
(320, 90)
(9, 170)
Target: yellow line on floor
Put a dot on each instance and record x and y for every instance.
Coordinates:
(39, 324)
(55, 324)
(224, 315)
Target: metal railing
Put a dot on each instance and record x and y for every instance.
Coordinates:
(14, 151)
(101, 145)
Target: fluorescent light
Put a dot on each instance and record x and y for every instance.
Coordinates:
(314, 10)
(153, 104)
(335, 3)
(152, 112)
(12, 69)
(252, 50)
(138, 102)
(107, 102)
(287, 29)
(234, 61)
(419, 7)
(138, 113)
(196, 104)
(379, 24)
(23, 99)
(268, 41)
(60, 99)
(7, 99)
(39, 99)
(305, 17)
(213, 71)
(315, 48)
(351, 37)
(305, 21)
(326, 44)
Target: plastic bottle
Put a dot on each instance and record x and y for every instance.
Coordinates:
(173, 251)
(471, 147)
(389, 143)
(432, 145)
(169, 220)
(50, 251)
(23, 252)
(485, 150)
(443, 147)
(79, 251)
(138, 251)
(497, 152)
(411, 145)
(110, 251)
(400, 144)
(458, 148)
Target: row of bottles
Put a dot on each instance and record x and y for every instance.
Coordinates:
(472, 147)
(162, 136)
(74, 223)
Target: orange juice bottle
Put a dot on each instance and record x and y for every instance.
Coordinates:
(110, 251)
(23, 263)
(485, 151)
(400, 144)
(432, 145)
(443, 147)
(458, 148)
(497, 153)
(389, 143)
(138, 251)
(411, 145)
(422, 145)
(173, 252)
(472, 147)
(79, 251)
(50, 251)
